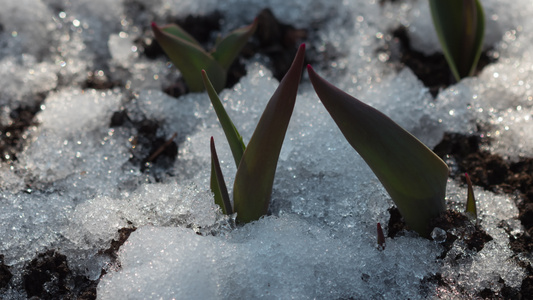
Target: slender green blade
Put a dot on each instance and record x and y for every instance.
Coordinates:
(232, 135)
(227, 48)
(460, 27)
(255, 176)
(412, 174)
(218, 185)
(471, 209)
(190, 58)
(478, 39)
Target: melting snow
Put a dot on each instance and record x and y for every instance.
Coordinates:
(74, 186)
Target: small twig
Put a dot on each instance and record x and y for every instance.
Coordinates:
(162, 148)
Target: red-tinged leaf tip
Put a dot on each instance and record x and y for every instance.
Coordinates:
(381, 237)
(471, 209)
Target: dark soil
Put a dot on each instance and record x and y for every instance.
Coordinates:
(499, 175)
(432, 70)
(98, 80)
(152, 153)
(124, 234)
(494, 173)
(48, 277)
(5, 274)
(12, 136)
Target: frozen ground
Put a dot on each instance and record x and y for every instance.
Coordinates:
(74, 186)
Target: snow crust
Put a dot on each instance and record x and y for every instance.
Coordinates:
(74, 185)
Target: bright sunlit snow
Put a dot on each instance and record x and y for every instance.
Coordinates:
(74, 185)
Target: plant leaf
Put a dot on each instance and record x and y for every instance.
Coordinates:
(178, 32)
(218, 185)
(227, 48)
(460, 26)
(232, 135)
(189, 57)
(412, 174)
(255, 175)
(471, 209)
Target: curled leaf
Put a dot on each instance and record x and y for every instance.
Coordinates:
(412, 174)
(460, 26)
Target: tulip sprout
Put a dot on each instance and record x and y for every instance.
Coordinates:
(256, 163)
(412, 174)
(189, 57)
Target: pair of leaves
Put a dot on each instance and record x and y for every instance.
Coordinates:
(412, 174)
(189, 56)
(460, 26)
(256, 163)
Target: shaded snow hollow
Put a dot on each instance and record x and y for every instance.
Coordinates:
(74, 186)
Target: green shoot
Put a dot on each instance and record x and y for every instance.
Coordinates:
(252, 188)
(471, 210)
(189, 57)
(232, 135)
(218, 185)
(412, 174)
(460, 26)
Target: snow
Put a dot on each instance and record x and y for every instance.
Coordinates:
(74, 185)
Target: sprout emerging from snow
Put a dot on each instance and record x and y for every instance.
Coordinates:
(412, 174)
(256, 163)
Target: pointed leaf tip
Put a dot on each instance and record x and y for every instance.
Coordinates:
(218, 185)
(255, 174)
(471, 209)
